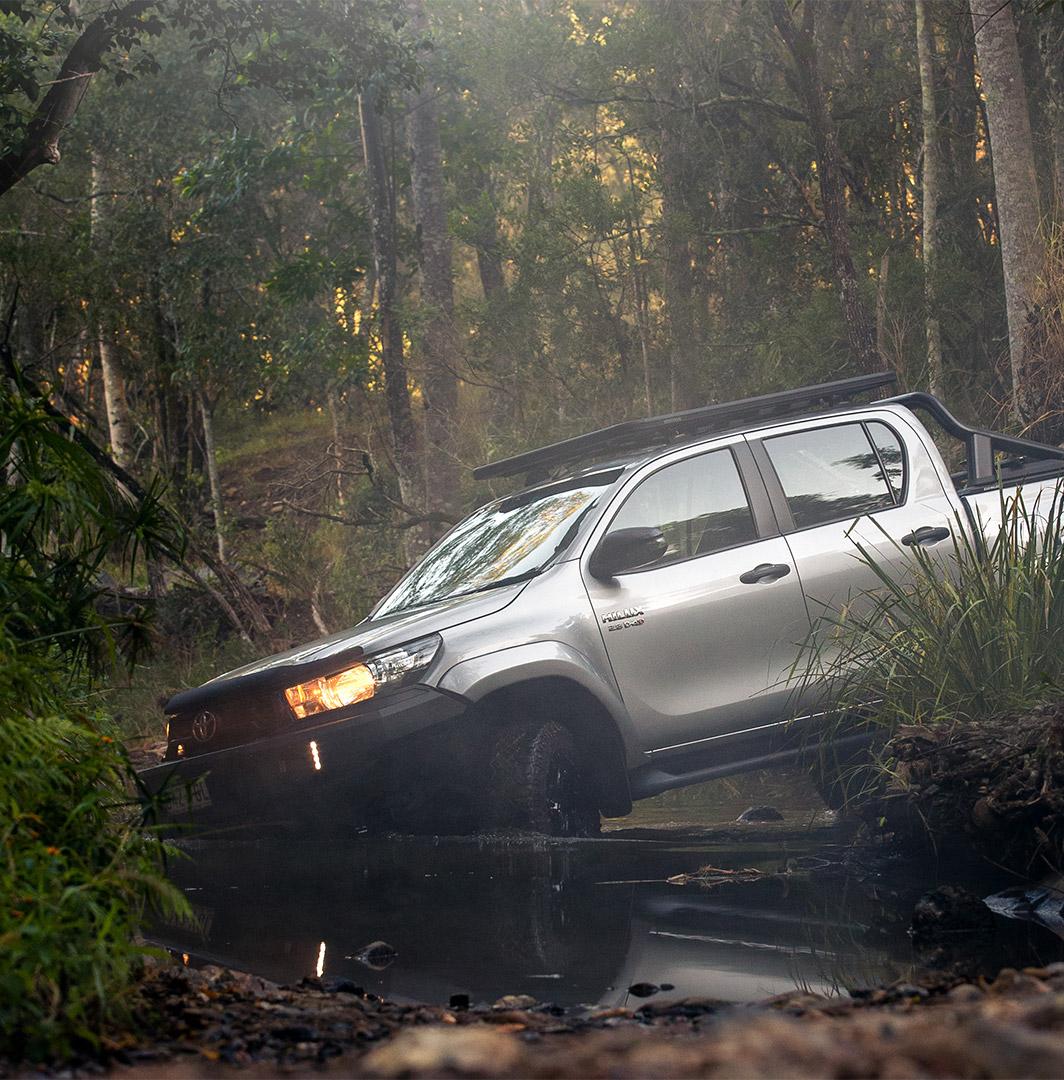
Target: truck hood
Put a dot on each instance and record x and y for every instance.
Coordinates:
(330, 653)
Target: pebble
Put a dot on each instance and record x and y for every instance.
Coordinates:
(759, 813)
(432, 1051)
(509, 1002)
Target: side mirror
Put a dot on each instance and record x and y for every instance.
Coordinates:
(626, 549)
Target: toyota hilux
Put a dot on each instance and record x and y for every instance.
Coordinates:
(628, 622)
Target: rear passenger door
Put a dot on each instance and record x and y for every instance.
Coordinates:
(701, 639)
(836, 484)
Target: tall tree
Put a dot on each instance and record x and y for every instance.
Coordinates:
(1015, 178)
(406, 441)
(119, 429)
(1051, 45)
(800, 39)
(437, 340)
(930, 193)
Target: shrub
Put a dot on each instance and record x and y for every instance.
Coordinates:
(970, 634)
(76, 870)
(76, 873)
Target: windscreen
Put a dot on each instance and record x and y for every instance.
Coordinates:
(503, 541)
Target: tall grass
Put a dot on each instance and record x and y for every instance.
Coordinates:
(950, 636)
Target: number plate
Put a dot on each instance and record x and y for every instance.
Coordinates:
(198, 795)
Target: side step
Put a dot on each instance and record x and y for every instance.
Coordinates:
(651, 779)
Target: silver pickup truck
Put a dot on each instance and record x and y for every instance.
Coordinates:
(623, 625)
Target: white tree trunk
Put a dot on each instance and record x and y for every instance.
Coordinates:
(214, 481)
(119, 428)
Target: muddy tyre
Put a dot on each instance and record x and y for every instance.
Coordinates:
(538, 781)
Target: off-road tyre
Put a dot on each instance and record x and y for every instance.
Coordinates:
(538, 781)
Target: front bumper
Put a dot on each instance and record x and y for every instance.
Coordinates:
(322, 773)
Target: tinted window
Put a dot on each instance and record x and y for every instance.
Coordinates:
(699, 504)
(829, 474)
(891, 456)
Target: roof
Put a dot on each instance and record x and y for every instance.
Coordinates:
(633, 437)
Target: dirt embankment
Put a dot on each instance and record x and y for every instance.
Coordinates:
(220, 1023)
(997, 786)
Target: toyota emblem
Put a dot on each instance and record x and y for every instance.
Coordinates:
(205, 726)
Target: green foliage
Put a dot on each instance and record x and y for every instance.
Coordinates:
(973, 634)
(62, 517)
(76, 872)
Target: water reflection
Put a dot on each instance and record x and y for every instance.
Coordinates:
(574, 923)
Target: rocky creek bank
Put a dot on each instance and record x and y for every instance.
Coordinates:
(216, 1022)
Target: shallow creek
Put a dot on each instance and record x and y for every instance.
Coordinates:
(572, 922)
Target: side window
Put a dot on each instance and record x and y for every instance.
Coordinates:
(829, 474)
(699, 504)
(891, 456)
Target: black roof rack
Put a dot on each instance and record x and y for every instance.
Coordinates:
(635, 435)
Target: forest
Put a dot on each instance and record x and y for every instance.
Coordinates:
(277, 275)
(306, 264)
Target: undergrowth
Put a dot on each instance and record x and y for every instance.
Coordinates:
(77, 870)
(966, 631)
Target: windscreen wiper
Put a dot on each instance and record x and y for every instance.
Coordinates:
(513, 579)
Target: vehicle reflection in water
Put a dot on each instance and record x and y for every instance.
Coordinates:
(572, 923)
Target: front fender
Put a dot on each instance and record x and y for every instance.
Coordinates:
(475, 678)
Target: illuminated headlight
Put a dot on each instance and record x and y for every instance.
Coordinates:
(361, 681)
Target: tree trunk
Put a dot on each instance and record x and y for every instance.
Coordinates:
(1015, 179)
(678, 276)
(801, 42)
(213, 480)
(438, 340)
(337, 444)
(930, 192)
(1051, 46)
(119, 429)
(56, 110)
(405, 436)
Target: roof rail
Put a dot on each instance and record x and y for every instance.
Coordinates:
(634, 435)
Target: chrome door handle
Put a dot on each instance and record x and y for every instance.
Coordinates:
(927, 535)
(765, 571)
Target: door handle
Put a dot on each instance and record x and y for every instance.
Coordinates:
(765, 571)
(927, 535)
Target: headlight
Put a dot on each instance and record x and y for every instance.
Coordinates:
(361, 681)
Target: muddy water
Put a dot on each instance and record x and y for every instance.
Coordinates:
(574, 922)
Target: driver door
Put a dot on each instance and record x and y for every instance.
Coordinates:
(701, 640)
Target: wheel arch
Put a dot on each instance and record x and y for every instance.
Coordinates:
(551, 686)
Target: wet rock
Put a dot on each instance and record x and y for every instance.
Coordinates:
(377, 955)
(432, 1051)
(759, 813)
(514, 1001)
(1041, 904)
(950, 929)
(949, 909)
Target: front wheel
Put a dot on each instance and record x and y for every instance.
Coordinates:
(538, 781)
